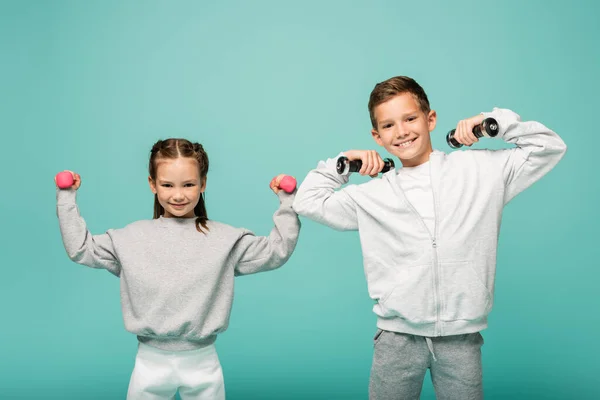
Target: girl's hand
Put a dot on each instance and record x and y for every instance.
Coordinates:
(283, 182)
(67, 180)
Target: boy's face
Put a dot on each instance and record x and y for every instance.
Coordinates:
(178, 186)
(403, 129)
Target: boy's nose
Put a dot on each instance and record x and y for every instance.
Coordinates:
(402, 132)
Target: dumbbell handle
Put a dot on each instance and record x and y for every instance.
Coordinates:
(345, 166)
(487, 128)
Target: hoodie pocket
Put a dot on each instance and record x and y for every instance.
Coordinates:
(412, 297)
(464, 295)
(377, 336)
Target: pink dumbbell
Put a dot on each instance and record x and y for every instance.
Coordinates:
(288, 184)
(64, 180)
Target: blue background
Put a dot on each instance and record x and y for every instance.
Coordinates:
(273, 87)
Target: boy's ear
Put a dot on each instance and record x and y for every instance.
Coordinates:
(376, 137)
(431, 120)
(152, 185)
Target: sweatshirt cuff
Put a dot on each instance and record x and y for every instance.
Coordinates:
(331, 166)
(65, 196)
(504, 117)
(286, 199)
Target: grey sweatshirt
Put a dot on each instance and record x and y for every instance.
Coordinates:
(435, 283)
(177, 283)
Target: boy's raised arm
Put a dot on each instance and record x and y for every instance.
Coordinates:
(321, 198)
(538, 149)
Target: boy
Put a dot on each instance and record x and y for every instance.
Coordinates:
(429, 232)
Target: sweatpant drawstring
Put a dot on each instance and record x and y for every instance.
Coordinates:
(430, 346)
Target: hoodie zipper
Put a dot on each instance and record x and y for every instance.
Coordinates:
(436, 267)
(436, 273)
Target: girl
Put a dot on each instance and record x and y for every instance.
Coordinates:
(177, 271)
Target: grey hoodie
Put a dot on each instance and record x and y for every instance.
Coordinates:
(442, 283)
(177, 283)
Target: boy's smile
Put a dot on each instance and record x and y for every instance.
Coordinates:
(403, 129)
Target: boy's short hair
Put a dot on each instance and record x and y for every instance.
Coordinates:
(395, 86)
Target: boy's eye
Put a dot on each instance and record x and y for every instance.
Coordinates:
(189, 185)
(166, 185)
(411, 118)
(386, 126)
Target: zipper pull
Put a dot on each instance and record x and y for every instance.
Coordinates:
(434, 243)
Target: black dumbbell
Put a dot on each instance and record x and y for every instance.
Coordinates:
(487, 128)
(344, 166)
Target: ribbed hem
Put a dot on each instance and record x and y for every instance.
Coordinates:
(459, 327)
(285, 198)
(65, 197)
(177, 344)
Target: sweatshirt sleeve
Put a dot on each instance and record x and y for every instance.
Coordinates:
(264, 253)
(538, 149)
(321, 198)
(95, 251)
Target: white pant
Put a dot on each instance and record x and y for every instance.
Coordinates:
(158, 374)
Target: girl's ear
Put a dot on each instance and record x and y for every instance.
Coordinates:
(152, 184)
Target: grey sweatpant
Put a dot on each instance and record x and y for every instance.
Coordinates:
(400, 362)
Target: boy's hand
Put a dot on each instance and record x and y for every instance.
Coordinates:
(76, 180)
(464, 130)
(372, 163)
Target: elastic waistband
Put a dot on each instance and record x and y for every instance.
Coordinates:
(444, 328)
(177, 344)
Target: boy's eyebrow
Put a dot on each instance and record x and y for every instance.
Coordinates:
(401, 116)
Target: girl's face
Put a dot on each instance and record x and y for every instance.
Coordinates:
(178, 186)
